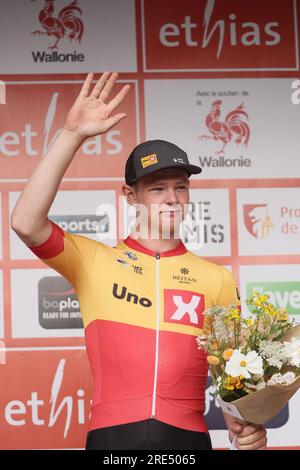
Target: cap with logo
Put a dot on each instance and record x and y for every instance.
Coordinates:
(154, 155)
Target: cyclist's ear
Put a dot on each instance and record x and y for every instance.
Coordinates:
(130, 194)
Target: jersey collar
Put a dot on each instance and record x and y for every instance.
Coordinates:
(135, 245)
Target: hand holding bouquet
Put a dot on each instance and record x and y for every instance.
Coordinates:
(254, 360)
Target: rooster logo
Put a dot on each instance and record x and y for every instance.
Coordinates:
(235, 127)
(67, 24)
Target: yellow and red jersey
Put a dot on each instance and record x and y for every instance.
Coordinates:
(142, 312)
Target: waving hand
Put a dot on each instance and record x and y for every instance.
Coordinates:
(91, 114)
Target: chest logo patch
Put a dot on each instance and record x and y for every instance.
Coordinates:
(184, 307)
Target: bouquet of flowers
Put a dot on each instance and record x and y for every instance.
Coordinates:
(254, 360)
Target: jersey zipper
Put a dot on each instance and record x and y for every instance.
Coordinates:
(157, 256)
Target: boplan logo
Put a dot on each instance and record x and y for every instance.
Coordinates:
(257, 220)
(58, 304)
(285, 294)
(219, 35)
(58, 24)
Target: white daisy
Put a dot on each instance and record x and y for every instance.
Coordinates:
(241, 364)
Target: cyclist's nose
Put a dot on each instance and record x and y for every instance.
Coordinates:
(171, 196)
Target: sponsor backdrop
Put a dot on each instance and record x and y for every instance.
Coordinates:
(219, 78)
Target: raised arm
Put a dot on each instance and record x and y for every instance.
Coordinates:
(90, 115)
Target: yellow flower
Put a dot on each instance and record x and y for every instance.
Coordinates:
(213, 360)
(249, 322)
(239, 384)
(234, 382)
(282, 314)
(264, 298)
(272, 311)
(233, 313)
(257, 302)
(259, 299)
(228, 385)
(227, 354)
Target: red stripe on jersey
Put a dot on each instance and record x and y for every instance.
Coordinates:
(135, 245)
(52, 246)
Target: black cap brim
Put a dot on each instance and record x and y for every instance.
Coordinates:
(191, 169)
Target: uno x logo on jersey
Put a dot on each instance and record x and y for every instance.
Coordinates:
(184, 307)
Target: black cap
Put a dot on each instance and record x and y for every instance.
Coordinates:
(154, 155)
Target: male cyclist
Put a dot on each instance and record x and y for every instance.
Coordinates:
(142, 302)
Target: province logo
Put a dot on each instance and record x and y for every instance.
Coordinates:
(257, 220)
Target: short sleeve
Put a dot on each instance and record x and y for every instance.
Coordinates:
(229, 293)
(71, 255)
